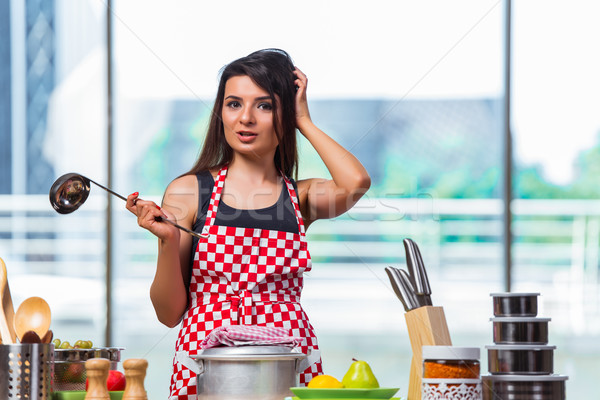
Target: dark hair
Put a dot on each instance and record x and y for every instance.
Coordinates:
(273, 71)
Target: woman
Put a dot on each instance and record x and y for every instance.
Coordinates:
(239, 194)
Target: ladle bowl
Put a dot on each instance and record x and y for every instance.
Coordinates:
(71, 190)
(33, 315)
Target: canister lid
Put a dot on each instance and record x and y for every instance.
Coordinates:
(450, 353)
(525, 378)
(520, 319)
(513, 294)
(522, 347)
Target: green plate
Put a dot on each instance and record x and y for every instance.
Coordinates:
(344, 394)
(80, 395)
(298, 398)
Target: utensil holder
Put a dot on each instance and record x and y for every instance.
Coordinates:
(26, 371)
(426, 327)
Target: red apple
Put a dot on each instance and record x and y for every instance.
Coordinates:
(114, 383)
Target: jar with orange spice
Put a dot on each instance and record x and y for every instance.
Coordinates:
(451, 373)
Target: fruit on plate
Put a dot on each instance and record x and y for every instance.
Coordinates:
(324, 382)
(114, 383)
(360, 376)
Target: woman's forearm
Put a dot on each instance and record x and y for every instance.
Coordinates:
(168, 291)
(347, 172)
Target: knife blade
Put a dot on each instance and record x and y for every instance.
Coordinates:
(396, 285)
(412, 299)
(411, 262)
(422, 272)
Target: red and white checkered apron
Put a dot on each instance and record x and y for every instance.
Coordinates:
(244, 276)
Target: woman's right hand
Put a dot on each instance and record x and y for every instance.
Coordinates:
(148, 215)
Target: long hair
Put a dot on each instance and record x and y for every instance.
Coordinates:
(272, 70)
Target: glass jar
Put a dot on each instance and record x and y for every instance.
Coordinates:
(449, 362)
(451, 373)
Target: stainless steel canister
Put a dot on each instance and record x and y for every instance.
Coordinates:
(520, 330)
(26, 371)
(515, 304)
(247, 372)
(524, 387)
(521, 359)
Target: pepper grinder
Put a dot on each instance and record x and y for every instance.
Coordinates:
(97, 375)
(135, 372)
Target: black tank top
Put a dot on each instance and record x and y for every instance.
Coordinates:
(278, 217)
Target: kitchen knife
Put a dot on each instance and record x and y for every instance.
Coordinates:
(411, 262)
(412, 300)
(396, 285)
(424, 287)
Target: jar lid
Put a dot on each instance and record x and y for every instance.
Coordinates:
(450, 353)
(512, 294)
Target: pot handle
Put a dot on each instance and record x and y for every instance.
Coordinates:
(184, 359)
(312, 357)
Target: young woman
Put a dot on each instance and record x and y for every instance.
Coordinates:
(248, 268)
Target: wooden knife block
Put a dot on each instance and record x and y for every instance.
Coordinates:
(426, 327)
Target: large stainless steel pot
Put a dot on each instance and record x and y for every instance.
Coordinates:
(247, 372)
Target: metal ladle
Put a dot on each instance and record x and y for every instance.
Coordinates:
(71, 190)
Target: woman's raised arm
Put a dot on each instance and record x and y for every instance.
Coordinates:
(323, 198)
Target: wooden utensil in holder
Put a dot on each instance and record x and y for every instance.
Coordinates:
(426, 327)
(7, 311)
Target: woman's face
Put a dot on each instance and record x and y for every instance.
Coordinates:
(248, 118)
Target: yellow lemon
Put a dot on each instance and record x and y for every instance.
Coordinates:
(325, 382)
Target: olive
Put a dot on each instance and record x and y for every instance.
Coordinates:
(56, 343)
(65, 345)
(80, 344)
(90, 345)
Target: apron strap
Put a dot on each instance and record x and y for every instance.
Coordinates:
(215, 198)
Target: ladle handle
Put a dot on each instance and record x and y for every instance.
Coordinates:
(195, 234)
(108, 190)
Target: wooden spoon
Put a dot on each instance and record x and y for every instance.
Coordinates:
(7, 311)
(33, 315)
(48, 337)
(30, 337)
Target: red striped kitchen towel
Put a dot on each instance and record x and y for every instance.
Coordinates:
(246, 335)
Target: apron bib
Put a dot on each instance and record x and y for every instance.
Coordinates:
(244, 276)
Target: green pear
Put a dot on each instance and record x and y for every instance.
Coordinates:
(360, 376)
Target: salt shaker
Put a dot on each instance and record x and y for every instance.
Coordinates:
(135, 372)
(97, 375)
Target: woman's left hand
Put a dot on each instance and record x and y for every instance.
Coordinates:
(302, 113)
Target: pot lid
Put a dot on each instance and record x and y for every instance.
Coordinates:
(222, 352)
